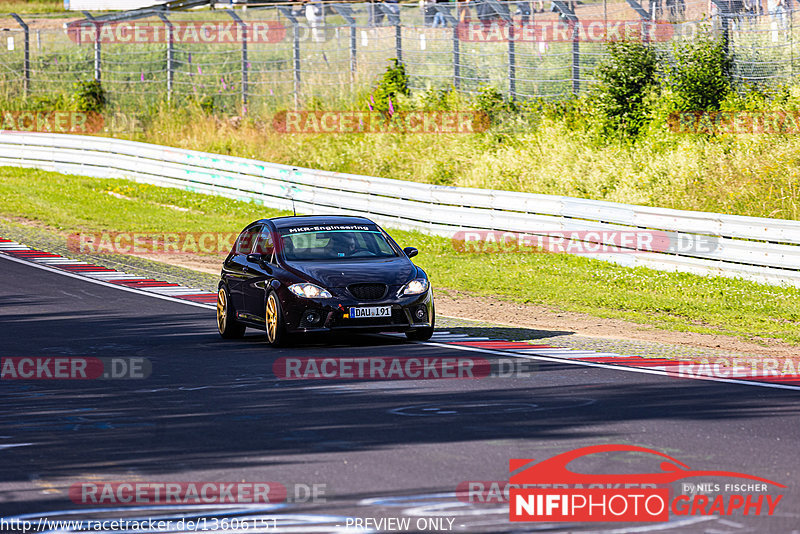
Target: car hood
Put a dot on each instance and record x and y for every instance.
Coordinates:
(391, 271)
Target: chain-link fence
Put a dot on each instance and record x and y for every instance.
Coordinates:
(303, 53)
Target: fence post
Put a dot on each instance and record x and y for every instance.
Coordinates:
(170, 55)
(97, 59)
(645, 16)
(512, 63)
(398, 42)
(353, 51)
(791, 37)
(576, 59)
(287, 12)
(566, 13)
(243, 26)
(502, 11)
(724, 15)
(445, 11)
(394, 19)
(26, 80)
(347, 15)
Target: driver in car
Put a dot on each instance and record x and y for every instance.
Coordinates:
(342, 245)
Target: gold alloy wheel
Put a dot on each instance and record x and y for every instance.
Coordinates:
(272, 318)
(222, 310)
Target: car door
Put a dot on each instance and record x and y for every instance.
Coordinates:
(259, 274)
(236, 267)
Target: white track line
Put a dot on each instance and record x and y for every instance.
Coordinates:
(646, 370)
(107, 284)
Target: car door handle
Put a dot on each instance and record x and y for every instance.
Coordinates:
(244, 269)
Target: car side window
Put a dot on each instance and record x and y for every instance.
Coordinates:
(244, 243)
(265, 245)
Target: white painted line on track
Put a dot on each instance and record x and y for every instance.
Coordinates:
(107, 284)
(646, 370)
(530, 354)
(183, 290)
(114, 276)
(54, 261)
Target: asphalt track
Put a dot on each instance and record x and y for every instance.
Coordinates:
(212, 410)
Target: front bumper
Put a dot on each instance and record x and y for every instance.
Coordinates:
(331, 314)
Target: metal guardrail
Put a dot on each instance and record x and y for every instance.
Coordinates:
(760, 249)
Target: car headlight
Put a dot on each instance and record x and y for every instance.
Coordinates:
(415, 287)
(310, 291)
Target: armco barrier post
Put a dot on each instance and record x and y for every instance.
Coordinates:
(170, 55)
(26, 69)
(241, 23)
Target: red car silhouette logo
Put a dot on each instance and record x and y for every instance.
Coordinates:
(554, 470)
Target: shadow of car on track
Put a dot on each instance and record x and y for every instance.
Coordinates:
(212, 404)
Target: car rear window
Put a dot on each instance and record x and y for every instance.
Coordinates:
(332, 243)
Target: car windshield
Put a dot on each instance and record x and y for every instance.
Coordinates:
(334, 245)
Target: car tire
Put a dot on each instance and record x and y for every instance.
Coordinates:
(274, 322)
(423, 334)
(227, 325)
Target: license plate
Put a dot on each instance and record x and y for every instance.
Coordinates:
(375, 311)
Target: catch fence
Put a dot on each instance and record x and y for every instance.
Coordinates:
(275, 55)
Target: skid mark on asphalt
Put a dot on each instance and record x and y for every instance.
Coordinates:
(486, 408)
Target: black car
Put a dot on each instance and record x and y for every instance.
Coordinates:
(292, 275)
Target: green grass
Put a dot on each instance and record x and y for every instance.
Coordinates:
(680, 302)
(755, 175)
(31, 6)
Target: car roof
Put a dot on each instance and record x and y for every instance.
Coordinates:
(312, 220)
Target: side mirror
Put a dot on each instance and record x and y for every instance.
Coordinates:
(257, 258)
(411, 251)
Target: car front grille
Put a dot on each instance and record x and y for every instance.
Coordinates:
(368, 291)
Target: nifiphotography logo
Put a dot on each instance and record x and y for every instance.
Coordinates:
(549, 491)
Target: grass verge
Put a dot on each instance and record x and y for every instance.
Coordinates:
(31, 6)
(674, 301)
